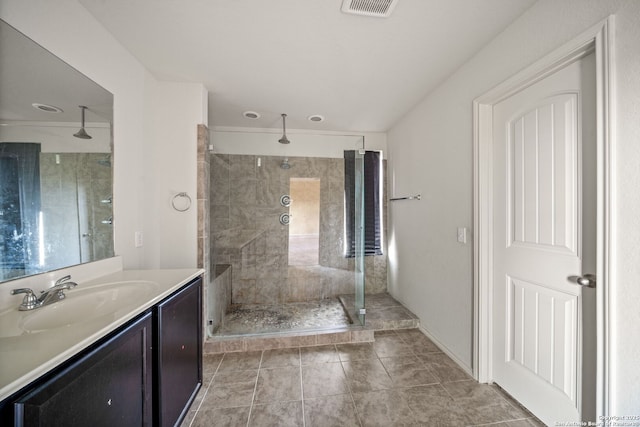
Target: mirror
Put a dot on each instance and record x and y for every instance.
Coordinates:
(55, 182)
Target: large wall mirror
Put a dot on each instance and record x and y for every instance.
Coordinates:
(56, 163)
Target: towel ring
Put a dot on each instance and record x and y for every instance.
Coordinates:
(181, 195)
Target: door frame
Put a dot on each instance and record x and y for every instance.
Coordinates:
(598, 39)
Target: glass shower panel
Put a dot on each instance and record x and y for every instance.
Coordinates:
(359, 236)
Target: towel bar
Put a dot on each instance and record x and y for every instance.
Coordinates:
(416, 197)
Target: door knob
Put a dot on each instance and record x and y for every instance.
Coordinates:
(586, 280)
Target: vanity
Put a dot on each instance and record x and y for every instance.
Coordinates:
(121, 349)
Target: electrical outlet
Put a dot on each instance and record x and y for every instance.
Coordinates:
(139, 239)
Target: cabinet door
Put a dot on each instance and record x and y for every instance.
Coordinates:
(109, 386)
(179, 344)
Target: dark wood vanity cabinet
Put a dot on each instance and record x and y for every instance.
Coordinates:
(145, 373)
(179, 357)
(109, 386)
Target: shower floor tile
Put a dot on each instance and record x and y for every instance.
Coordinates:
(261, 318)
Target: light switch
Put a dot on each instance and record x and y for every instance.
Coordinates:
(462, 235)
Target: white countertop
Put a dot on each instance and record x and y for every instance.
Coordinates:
(26, 357)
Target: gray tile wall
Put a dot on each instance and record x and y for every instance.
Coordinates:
(72, 187)
(212, 295)
(246, 232)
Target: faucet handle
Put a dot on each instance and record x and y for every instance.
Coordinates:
(62, 279)
(61, 284)
(30, 300)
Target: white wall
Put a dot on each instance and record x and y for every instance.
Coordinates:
(177, 109)
(430, 152)
(58, 137)
(154, 130)
(304, 143)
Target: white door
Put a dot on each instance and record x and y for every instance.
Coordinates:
(544, 226)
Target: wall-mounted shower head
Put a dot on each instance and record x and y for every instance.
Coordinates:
(285, 163)
(284, 139)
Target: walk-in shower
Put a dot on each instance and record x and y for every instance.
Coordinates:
(271, 275)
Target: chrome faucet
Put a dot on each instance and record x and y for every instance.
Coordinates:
(51, 295)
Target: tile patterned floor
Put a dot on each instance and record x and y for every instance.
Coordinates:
(400, 379)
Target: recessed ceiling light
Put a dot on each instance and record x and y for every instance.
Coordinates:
(316, 118)
(47, 108)
(251, 115)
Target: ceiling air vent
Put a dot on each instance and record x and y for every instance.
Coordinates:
(376, 8)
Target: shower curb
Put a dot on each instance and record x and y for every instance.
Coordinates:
(287, 340)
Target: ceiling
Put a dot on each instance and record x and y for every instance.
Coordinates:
(31, 74)
(305, 57)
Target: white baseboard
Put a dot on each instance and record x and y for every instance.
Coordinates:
(448, 352)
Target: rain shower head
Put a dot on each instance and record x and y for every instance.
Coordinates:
(82, 134)
(284, 139)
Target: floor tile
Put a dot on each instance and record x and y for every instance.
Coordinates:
(229, 395)
(391, 346)
(201, 394)
(330, 411)
(432, 405)
(366, 375)
(519, 423)
(360, 351)
(188, 419)
(443, 367)
(278, 385)
(418, 341)
(281, 414)
(408, 371)
(383, 408)
(222, 417)
(240, 361)
(280, 357)
(210, 363)
(481, 403)
(230, 377)
(319, 354)
(323, 380)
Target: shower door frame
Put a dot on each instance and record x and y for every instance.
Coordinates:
(359, 264)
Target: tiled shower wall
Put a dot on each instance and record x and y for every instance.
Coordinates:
(246, 232)
(214, 303)
(75, 188)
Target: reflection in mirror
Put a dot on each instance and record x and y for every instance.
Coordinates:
(55, 182)
(304, 228)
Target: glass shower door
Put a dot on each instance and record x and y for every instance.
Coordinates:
(359, 236)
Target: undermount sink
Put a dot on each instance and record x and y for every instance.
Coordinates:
(80, 305)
